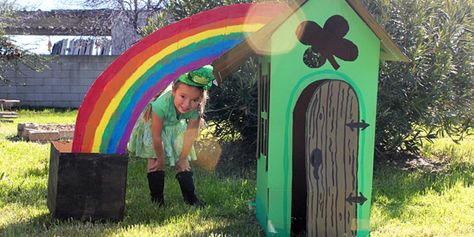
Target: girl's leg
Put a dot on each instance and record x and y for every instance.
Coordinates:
(186, 184)
(185, 178)
(156, 182)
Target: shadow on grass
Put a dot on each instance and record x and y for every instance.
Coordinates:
(235, 228)
(23, 196)
(394, 188)
(139, 210)
(28, 227)
(15, 138)
(37, 172)
(26, 191)
(226, 197)
(238, 159)
(227, 203)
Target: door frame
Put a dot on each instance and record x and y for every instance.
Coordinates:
(299, 183)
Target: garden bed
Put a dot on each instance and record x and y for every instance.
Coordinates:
(45, 132)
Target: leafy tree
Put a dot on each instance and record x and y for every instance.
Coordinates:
(233, 106)
(11, 55)
(433, 94)
(430, 96)
(131, 10)
(128, 18)
(175, 10)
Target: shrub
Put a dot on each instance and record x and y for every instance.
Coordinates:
(431, 95)
(427, 97)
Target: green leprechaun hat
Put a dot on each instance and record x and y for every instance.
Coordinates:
(202, 77)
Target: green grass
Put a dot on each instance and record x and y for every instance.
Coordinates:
(405, 202)
(23, 193)
(423, 202)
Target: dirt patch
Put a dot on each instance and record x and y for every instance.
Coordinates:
(412, 162)
(426, 165)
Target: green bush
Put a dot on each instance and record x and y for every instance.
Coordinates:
(233, 105)
(431, 95)
(428, 97)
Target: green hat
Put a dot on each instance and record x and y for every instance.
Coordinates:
(201, 77)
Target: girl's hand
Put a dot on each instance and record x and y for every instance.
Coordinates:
(160, 162)
(183, 165)
(156, 164)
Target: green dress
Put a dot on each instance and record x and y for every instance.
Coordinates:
(174, 127)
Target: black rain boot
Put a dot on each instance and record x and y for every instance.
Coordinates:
(186, 184)
(156, 183)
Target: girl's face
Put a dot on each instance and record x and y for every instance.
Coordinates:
(186, 98)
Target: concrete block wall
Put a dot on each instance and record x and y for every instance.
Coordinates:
(63, 85)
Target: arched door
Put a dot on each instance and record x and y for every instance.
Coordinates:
(327, 157)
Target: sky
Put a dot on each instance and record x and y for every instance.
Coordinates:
(45, 5)
(39, 44)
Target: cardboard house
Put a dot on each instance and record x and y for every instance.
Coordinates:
(318, 75)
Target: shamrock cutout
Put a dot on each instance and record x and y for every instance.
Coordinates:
(327, 42)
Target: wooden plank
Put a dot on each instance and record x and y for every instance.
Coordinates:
(7, 104)
(8, 116)
(9, 101)
(8, 113)
(43, 136)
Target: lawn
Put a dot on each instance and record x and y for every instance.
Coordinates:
(423, 200)
(427, 200)
(23, 192)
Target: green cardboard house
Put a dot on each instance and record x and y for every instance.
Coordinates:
(319, 65)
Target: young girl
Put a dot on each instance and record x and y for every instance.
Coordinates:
(166, 130)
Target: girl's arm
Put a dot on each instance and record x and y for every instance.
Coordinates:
(156, 128)
(190, 136)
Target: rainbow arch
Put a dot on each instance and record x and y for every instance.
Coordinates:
(118, 96)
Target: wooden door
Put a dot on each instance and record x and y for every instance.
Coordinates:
(331, 157)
